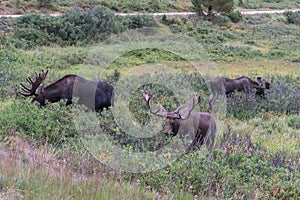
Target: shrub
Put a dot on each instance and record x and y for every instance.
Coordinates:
(293, 17)
(235, 16)
(70, 28)
(134, 22)
(220, 20)
(10, 72)
(44, 3)
(51, 124)
(235, 165)
(281, 98)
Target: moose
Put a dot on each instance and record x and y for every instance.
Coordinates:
(96, 95)
(221, 85)
(200, 126)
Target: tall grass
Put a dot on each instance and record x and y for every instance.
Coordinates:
(27, 172)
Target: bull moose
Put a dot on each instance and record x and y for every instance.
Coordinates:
(201, 126)
(221, 85)
(95, 95)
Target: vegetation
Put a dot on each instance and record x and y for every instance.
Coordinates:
(208, 8)
(44, 154)
(271, 4)
(71, 28)
(127, 6)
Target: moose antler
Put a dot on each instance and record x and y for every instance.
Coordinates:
(193, 101)
(161, 112)
(39, 78)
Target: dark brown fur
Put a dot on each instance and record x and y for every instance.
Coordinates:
(222, 85)
(94, 94)
(198, 126)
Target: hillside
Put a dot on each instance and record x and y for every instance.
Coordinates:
(70, 152)
(127, 6)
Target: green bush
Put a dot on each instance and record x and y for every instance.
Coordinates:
(134, 21)
(281, 99)
(220, 20)
(293, 17)
(10, 72)
(235, 165)
(51, 124)
(235, 16)
(70, 28)
(74, 27)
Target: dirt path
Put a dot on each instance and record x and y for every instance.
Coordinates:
(244, 12)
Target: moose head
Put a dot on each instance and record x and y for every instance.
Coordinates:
(199, 126)
(263, 85)
(37, 88)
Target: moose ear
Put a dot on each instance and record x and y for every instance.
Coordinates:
(259, 79)
(268, 85)
(39, 90)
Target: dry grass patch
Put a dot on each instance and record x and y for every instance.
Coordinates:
(259, 68)
(27, 172)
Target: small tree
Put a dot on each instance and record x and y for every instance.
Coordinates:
(207, 8)
(44, 3)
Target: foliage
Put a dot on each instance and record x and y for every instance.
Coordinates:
(293, 17)
(127, 6)
(270, 4)
(68, 29)
(134, 22)
(51, 125)
(207, 8)
(236, 165)
(9, 72)
(235, 16)
(22, 178)
(44, 3)
(73, 27)
(281, 98)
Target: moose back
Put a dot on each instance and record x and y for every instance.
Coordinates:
(96, 95)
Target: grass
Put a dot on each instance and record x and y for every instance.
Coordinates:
(259, 67)
(272, 132)
(32, 6)
(35, 173)
(269, 4)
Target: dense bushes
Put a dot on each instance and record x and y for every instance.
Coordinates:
(9, 72)
(68, 29)
(236, 169)
(293, 17)
(53, 124)
(72, 27)
(281, 98)
(134, 22)
(235, 16)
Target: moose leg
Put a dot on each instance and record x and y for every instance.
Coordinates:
(197, 141)
(247, 90)
(69, 101)
(230, 97)
(213, 100)
(230, 94)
